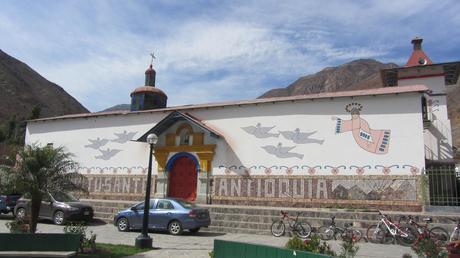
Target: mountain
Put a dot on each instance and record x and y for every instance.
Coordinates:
(22, 89)
(362, 73)
(357, 75)
(119, 107)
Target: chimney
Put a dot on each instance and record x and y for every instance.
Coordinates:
(417, 42)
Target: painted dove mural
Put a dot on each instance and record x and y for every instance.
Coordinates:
(96, 143)
(300, 137)
(107, 153)
(260, 132)
(282, 152)
(124, 136)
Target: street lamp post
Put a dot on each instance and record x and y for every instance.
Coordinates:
(144, 240)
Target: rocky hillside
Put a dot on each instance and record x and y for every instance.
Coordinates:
(345, 77)
(21, 89)
(119, 107)
(356, 75)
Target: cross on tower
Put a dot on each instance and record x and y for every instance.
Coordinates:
(153, 57)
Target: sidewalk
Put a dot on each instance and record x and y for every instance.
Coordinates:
(200, 244)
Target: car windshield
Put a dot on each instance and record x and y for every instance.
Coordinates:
(63, 197)
(185, 204)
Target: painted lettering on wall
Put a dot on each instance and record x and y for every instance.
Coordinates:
(316, 188)
(116, 184)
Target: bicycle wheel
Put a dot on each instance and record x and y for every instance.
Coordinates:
(303, 229)
(439, 235)
(278, 228)
(325, 232)
(408, 236)
(351, 234)
(378, 235)
(455, 234)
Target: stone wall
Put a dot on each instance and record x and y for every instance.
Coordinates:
(384, 192)
(118, 187)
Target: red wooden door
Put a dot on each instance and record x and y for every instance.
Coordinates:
(182, 179)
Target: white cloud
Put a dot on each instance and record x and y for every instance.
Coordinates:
(234, 50)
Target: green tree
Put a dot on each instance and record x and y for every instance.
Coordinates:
(35, 113)
(39, 170)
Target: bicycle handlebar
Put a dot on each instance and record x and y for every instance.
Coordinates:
(401, 218)
(285, 213)
(455, 220)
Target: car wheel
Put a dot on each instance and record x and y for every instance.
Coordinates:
(123, 224)
(175, 228)
(58, 218)
(21, 213)
(194, 230)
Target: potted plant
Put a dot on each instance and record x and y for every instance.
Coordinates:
(454, 249)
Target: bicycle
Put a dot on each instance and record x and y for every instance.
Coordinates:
(346, 233)
(438, 234)
(385, 231)
(455, 235)
(302, 229)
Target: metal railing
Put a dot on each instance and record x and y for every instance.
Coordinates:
(444, 185)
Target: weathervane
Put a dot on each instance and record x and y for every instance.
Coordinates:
(153, 57)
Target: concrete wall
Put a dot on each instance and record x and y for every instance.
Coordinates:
(296, 140)
(438, 135)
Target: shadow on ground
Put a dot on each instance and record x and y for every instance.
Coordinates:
(94, 222)
(184, 234)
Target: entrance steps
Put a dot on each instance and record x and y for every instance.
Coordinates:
(257, 219)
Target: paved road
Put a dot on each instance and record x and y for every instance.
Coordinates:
(200, 244)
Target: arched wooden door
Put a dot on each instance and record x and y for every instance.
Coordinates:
(182, 179)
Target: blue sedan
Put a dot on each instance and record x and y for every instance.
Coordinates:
(171, 214)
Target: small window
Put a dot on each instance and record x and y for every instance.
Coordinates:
(165, 205)
(184, 137)
(50, 144)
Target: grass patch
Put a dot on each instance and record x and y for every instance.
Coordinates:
(113, 251)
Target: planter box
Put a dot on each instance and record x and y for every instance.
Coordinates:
(229, 249)
(39, 242)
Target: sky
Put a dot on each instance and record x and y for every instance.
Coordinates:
(212, 51)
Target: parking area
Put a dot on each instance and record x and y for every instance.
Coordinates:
(200, 244)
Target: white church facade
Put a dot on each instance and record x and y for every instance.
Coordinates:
(366, 148)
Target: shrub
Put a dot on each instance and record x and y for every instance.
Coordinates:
(349, 249)
(428, 248)
(85, 241)
(18, 226)
(314, 245)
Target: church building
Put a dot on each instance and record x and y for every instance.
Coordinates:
(366, 148)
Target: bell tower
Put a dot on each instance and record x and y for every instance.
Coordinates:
(148, 97)
(420, 70)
